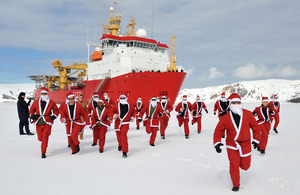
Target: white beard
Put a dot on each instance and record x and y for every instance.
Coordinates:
(123, 101)
(96, 99)
(45, 98)
(198, 100)
(153, 103)
(139, 101)
(105, 97)
(163, 101)
(236, 109)
(184, 101)
(223, 99)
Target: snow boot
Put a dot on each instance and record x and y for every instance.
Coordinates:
(137, 128)
(94, 144)
(77, 148)
(162, 137)
(119, 148)
(186, 137)
(124, 155)
(262, 152)
(152, 145)
(235, 189)
(43, 155)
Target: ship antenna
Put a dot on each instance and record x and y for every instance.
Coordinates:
(152, 22)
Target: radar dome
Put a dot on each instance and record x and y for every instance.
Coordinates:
(141, 33)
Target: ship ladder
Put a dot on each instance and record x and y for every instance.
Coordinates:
(99, 88)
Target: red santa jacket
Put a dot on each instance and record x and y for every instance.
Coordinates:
(50, 109)
(198, 109)
(238, 138)
(275, 108)
(78, 114)
(109, 103)
(261, 117)
(61, 106)
(126, 118)
(219, 107)
(167, 109)
(90, 108)
(102, 118)
(186, 113)
(154, 119)
(138, 108)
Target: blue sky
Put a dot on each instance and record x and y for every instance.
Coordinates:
(217, 42)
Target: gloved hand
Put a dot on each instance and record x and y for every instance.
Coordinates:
(52, 117)
(214, 113)
(194, 112)
(34, 117)
(140, 120)
(160, 114)
(254, 144)
(217, 147)
(206, 111)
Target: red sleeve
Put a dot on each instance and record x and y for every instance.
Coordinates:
(94, 118)
(62, 112)
(216, 106)
(278, 109)
(194, 107)
(84, 115)
(204, 106)
(33, 107)
(90, 108)
(177, 109)
(255, 128)
(219, 131)
(256, 110)
(190, 106)
(55, 109)
(170, 107)
(143, 110)
(113, 111)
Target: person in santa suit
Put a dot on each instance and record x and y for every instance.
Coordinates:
(153, 111)
(72, 115)
(84, 105)
(91, 107)
(275, 104)
(197, 107)
(100, 123)
(139, 105)
(164, 120)
(221, 105)
(123, 113)
(108, 101)
(264, 114)
(43, 112)
(237, 123)
(183, 109)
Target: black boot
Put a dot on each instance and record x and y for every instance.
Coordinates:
(152, 145)
(29, 133)
(186, 137)
(22, 133)
(235, 189)
(262, 152)
(199, 132)
(137, 128)
(124, 155)
(69, 146)
(94, 144)
(119, 148)
(162, 137)
(43, 155)
(258, 149)
(77, 148)
(275, 131)
(101, 151)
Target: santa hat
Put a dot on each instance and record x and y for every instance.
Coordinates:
(163, 97)
(100, 100)
(275, 96)
(264, 99)
(44, 90)
(122, 96)
(223, 95)
(95, 94)
(198, 98)
(70, 95)
(184, 97)
(153, 99)
(234, 97)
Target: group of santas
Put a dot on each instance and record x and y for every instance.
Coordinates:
(236, 122)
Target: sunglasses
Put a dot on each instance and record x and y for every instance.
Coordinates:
(44, 93)
(71, 98)
(122, 98)
(236, 102)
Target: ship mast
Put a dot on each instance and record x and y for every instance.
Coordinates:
(113, 23)
(172, 67)
(131, 26)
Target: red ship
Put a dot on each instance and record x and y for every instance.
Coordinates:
(129, 64)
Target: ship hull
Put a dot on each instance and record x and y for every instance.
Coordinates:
(133, 85)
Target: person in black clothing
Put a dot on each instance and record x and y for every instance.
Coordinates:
(23, 113)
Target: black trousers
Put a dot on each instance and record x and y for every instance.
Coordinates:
(23, 123)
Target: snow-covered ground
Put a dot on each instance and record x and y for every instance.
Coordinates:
(174, 166)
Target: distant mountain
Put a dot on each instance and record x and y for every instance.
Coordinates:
(250, 91)
(10, 92)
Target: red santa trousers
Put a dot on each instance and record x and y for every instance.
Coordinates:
(276, 117)
(198, 120)
(164, 121)
(137, 122)
(264, 129)
(152, 131)
(235, 163)
(101, 136)
(185, 122)
(122, 137)
(96, 134)
(73, 139)
(43, 133)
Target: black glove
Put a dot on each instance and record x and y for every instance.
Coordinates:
(52, 117)
(254, 113)
(254, 144)
(206, 111)
(29, 101)
(140, 120)
(214, 113)
(194, 112)
(275, 130)
(34, 117)
(217, 147)
(160, 114)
